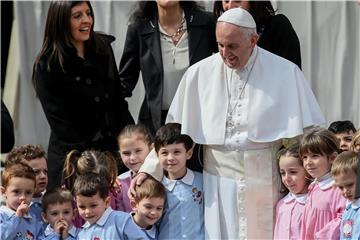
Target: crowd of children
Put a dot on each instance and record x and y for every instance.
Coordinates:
(93, 202)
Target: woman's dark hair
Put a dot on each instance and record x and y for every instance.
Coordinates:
(261, 11)
(57, 34)
(146, 9)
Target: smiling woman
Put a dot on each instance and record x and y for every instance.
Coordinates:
(76, 79)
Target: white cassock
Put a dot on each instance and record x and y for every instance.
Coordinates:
(241, 117)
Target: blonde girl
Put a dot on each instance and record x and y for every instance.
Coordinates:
(325, 203)
(355, 142)
(135, 142)
(296, 180)
(91, 161)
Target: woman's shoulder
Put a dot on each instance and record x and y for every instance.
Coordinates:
(280, 20)
(200, 16)
(105, 38)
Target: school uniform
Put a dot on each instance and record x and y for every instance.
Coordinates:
(111, 225)
(350, 222)
(50, 234)
(14, 227)
(150, 234)
(36, 208)
(184, 212)
(289, 211)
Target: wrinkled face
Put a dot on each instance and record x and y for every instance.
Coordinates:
(235, 46)
(346, 182)
(228, 4)
(292, 174)
(133, 151)
(17, 191)
(39, 166)
(345, 140)
(92, 208)
(173, 159)
(317, 165)
(59, 212)
(81, 22)
(148, 211)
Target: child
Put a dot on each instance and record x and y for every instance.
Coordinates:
(93, 202)
(343, 130)
(355, 143)
(58, 213)
(324, 204)
(184, 212)
(135, 143)
(102, 163)
(18, 187)
(290, 208)
(148, 205)
(35, 157)
(344, 171)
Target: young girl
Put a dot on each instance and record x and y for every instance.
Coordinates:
(325, 204)
(289, 210)
(135, 143)
(102, 163)
(18, 187)
(355, 142)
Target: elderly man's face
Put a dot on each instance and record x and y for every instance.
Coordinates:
(235, 46)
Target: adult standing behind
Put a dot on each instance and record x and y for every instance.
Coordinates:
(76, 79)
(163, 40)
(275, 31)
(240, 104)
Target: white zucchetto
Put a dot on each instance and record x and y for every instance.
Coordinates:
(239, 17)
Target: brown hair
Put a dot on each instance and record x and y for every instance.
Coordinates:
(150, 188)
(20, 170)
(90, 184)
(101, 163)
(345, 162)
(139, 130)
(56, 196)
(25, 152)
(319, 141)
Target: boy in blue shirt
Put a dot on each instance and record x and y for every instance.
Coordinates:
(35, 157)
(18, 187)
(344, 172)
(184, 212)
(148, 206)
(102, 222)
(58, 212)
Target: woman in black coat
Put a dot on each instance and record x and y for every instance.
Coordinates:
(76, 79)
(152, 26)
(276, 33)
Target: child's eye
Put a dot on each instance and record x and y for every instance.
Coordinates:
(125, 153)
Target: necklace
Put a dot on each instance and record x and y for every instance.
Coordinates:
(230, 121)
(175, 37)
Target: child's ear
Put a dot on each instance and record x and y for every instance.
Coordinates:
(75, 211)
(107, 201)
(332, 157)
(2, 189)
(44, 217)
(189, 153)
(133, 204)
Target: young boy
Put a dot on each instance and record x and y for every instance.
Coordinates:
(93, 202)
(184, 212)
(35, 157)
(148, 206)
(18, 186)
(58, 212)
(344, 130)
(344, 172)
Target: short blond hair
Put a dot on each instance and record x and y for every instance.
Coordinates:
(345, 162)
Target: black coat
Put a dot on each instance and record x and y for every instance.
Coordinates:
(142, 52)
(279, 37)
(84, 105)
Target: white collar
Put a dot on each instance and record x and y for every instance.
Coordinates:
(10, 212)
(151, 232)
(49, 230)
(102, 220)
(301, 198)
(188, 179)
(354, 205)
(325, 182)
